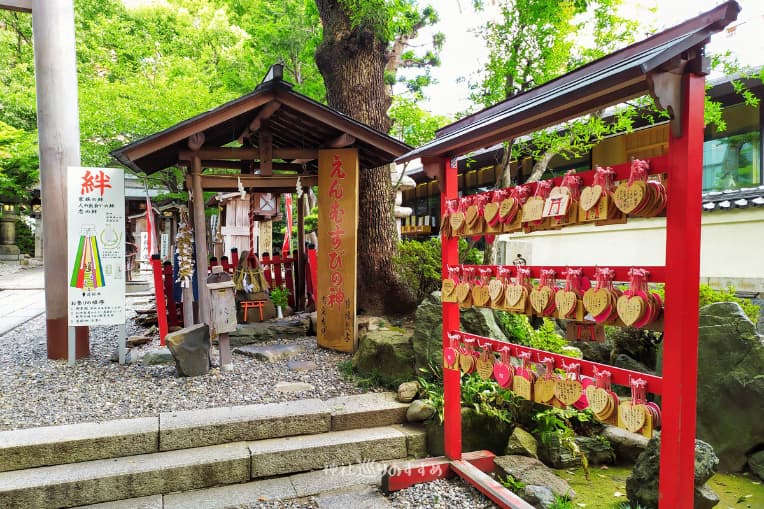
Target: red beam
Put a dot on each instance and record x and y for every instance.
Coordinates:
(400, 476)
(489, 486)
(656, 274)
(619, 376)
(156, 267)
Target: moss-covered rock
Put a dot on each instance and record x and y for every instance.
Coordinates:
(386, 355)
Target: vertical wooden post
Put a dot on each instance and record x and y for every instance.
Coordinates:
(169, 291)
(680, 346)
(447, 180)
(59, 138)
(200, 236)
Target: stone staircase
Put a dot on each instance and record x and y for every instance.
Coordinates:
(212, 458)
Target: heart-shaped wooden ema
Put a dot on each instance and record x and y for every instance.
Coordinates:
(568, 391)
(512, 295)
(540, 298)
(457, 222)
(630, 309)
(565, 302)
(466, 363)
(449, 287)
(505, 208)
(472, 215)
(543, 391)
(596, 301)
(490, 211)
(590, 196)
(533, 209)
(462, 291)
(628, 197)
(502, 374)
(599, 399)
(449, 357)
(480, 296)
(522, 387)
(632, 417)
(485, 367)
(495, 290)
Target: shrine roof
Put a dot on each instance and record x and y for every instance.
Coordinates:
(733, 199)
(295, 121)
(612, 79)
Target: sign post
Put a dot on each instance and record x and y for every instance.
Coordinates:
(337, 242)
(96, 250)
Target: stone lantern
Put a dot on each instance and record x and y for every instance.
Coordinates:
(8, 217)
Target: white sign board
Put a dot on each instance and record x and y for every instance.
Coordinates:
(143, 252)
(96, 246)
(164, 246)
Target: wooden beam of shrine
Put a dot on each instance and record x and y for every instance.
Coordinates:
(247, 154)
(264, 114)
(236, 165)
(341, 141)
(275, 183)
(16, 5)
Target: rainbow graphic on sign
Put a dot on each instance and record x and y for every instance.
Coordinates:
(87, 272)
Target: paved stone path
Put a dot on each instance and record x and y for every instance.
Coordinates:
(22, 297)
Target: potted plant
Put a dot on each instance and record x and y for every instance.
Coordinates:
(280, 297)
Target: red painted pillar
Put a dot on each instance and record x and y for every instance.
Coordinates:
(449, 188)
(156, 266)
(680, 344)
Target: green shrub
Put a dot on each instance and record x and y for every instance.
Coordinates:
(24, 237)
(519, 330)
(419, 264)
(708, 296)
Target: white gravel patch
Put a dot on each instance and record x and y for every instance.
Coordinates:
(440, 494)
(36, 391)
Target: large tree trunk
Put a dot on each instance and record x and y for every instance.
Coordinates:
(352, 62)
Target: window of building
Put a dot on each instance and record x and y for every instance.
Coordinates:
(732, 158)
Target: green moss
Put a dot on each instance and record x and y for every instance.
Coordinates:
(735, 490)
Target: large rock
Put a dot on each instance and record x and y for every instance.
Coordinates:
(627, 445)
(555, 454)
(271, 353)
(190, 347)
(595, 351)
(598, 451)
(539, 496)
(385, 354)
(428, 330)
(420, 410)
(288, 328)
(756, 464)
(479, 431)
(533, 472)
(730, 384)
(522, 443)
(642, 484)
(407, 391)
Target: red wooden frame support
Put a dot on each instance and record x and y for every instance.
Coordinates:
(680, 344)
(156, 266)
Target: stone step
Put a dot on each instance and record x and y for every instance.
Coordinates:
(97, 481)
(279, 456)
(57, 445)
(368, 410)
(163, 473)
(72, 443)
(212, 426)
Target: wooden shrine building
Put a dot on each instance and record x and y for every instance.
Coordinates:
(268, 141)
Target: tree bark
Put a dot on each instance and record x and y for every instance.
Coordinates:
(352, 62)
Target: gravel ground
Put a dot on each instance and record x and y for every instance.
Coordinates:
(35, 391)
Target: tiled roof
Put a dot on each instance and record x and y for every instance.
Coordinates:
(737, 199)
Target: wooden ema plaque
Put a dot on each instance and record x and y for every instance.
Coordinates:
(337, 241)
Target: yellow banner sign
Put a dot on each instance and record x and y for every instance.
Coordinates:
(337, 242)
